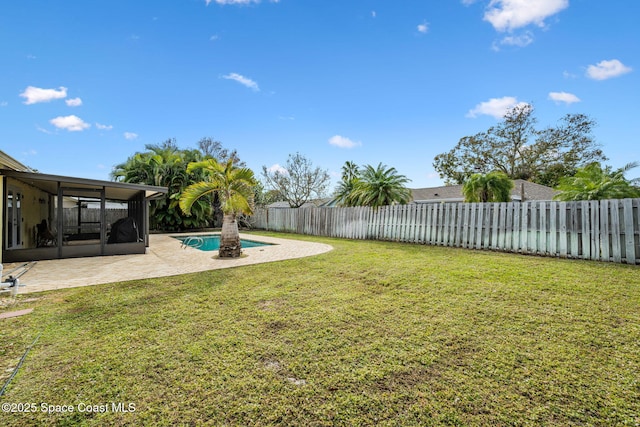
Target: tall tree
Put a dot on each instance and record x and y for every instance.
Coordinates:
(379, 186)
(234, 186)
(344, 191)
(516, 148)
(298, 182)
(492, 187)
(213, 149)
(593, 182)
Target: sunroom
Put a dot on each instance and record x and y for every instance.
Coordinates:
(51, 217)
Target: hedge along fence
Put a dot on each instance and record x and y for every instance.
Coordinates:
(606, 230)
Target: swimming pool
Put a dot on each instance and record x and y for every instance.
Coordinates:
(211, 242)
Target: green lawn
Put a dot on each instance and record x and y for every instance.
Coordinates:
(371, 333)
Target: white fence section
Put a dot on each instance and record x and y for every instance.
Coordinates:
(606, 230)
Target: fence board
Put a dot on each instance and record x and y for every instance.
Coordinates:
(543, 249)
(486, 225)
(629, 239)
(508, 226)
(501, 224)
(604, 230)
(465, 224)
(532, 230)
(553, 229)
(616, 249)
(585, 238)
(595, 230)
(574, 228)
(524, 227)
(471, 226)
(450, 228)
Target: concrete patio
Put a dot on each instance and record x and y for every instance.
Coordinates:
(165, 257)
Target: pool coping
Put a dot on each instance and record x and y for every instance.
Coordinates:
(165, 256)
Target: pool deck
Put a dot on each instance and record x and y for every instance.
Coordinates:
(165, 257)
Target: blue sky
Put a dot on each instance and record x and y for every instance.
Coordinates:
(86, 84)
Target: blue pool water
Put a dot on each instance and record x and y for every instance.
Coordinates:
(211, 242)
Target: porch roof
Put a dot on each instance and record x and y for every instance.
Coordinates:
(113, 190)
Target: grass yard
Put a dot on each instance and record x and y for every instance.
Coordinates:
(371, 333)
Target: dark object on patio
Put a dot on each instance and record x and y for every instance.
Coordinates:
(44, 236)
(82, 236)
(124, 230)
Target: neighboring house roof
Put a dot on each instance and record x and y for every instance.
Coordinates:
(446, 193)
(532, 191)
(453, 193)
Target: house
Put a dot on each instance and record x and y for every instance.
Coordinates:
(39, 221)
(522, 191)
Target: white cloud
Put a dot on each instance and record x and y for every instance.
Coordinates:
(521, 40)
(104, 127)
(567, 98)
(277, 169)
(343, 142)
(71, 123)
(373, 14)
(496, 107)
(423, 28)
(130, 135)
(33, 94)
(73, 102)
(245, 81)
(214, 37)
(43, 130)
(4, 104)
(568, 75)
(508, 15)
(607, 69)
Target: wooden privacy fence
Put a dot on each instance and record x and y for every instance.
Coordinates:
(90, 218)
(606, 230)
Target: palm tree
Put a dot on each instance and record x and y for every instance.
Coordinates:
(592, 182)
(344, 190)
(234, 187)
(165, 165)
(492, 187)
(380, 186)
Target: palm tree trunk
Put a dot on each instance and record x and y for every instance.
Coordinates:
(229, 238)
